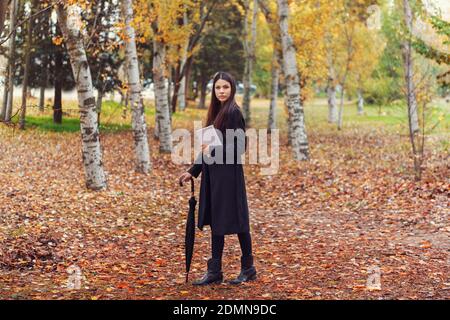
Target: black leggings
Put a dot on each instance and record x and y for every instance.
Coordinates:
(217, 243)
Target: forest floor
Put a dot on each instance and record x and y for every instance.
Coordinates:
(321, 229)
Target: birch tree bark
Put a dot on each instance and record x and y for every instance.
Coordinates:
(69, 21)
(331, 86)
(162, 103)
(27, 66)
(182, 89)
(408, 68)
(249, 47)
(277, 62)
(5, 72)
(138, 124)
(296, 114)
(3, 9)
(343, 79)
(274, 92)
(12, 59)
(360, 102)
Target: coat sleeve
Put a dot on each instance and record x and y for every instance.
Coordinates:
(196, 168)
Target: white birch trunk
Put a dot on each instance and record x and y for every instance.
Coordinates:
(332, 106)
(331, 90)
(3, 10)
(12, 56)
(274, 92)
(5, 93)
(25, 87)
(249, 47)
(409, 73)
(182, 90)
(360, 102)
(341, 107)
(296, 115)
(70, 23)
(138, 124)
(163, 125)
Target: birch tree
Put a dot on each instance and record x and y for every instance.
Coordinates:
(3, 9)
(408, 68)
(249, 48)
(299, 139)
(138, 123)
(29, 40)
(181, 96)
(14, 6)
(349, 51)
(195, 17)
(163, 124)
(360, 101)
(331, 82)
(69, 20)
(274, 27)
(273, 92)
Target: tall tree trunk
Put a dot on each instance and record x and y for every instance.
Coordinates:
(42, 98)
(27, 66)
(182, 85)
(176, 88)
(182, 95)
(331, 89)
(360, 102)
(5, 93)
(296, 114)
(274, 92)
(203, 86)
(69, 20)
(164, 126)
(341, 107)
(332, 106)
(43, 84)
(249, 47)
(12, 59)
(409, 70)
(138, 123)
(98, 107)
(3, 9)
(189, 90)
(169, 89)
(342, 83)
(57, 99)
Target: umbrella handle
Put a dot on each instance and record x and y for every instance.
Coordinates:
(192, 185)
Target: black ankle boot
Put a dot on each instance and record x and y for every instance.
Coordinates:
(248, 271)
(213, 275)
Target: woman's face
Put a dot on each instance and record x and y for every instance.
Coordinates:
(222, 89)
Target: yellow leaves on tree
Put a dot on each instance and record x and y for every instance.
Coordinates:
(162, 20)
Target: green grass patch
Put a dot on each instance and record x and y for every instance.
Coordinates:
(69, 124)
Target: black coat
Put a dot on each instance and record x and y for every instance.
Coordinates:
(223, 199)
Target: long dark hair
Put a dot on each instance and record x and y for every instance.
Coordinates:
(218, 115)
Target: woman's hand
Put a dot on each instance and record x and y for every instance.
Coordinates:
(184, 177)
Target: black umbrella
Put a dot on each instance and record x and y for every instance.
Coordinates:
(190, 230)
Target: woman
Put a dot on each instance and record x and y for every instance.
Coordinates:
(223, 200)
